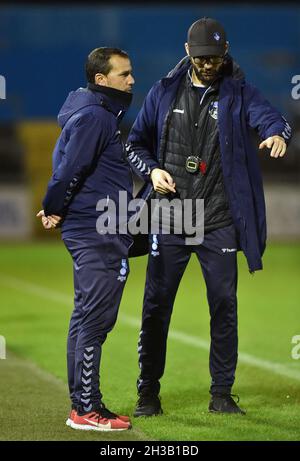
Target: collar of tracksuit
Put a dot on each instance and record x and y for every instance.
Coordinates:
(114, 100)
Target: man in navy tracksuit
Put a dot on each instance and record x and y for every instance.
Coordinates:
(192, 140)
(88, 166)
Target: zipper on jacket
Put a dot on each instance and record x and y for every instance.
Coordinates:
(162, 147)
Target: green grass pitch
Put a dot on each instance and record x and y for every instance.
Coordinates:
(36, 303)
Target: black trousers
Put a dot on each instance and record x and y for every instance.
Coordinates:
(100, 273)
(217, 256)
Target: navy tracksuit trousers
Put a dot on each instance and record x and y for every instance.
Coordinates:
(166, 264)
(100, 272)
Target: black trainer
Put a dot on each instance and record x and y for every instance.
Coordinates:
(224, 403)
(148, 405)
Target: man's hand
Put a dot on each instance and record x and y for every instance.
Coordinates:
(48, 222)
(162, 181)
(278, 146)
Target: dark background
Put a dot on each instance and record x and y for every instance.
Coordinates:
(43, 48)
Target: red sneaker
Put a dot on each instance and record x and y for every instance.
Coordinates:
(110, 414)
(96, 421)
(71, 417)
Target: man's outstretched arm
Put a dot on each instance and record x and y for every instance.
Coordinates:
(272, 127)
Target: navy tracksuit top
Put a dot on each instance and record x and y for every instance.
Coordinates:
(88, 158)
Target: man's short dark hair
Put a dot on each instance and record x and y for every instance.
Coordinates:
(98, 61)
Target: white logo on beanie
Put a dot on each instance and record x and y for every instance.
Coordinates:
(217, 36)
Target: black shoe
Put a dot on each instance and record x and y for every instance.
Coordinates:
(148, 405)
(224, 403)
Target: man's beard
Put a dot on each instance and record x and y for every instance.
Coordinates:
(207, 77)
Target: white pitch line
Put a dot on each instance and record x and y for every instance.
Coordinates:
(34, 369)
(44, 292)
